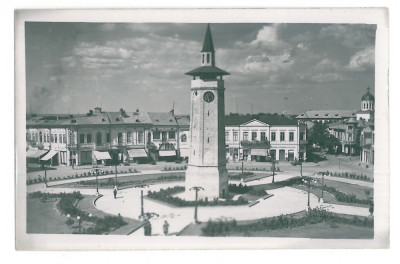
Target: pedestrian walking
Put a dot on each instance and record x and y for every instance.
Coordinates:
(165, 227)
(115, 192)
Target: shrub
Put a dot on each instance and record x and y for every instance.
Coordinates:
(222, 228)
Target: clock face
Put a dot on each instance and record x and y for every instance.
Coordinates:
(208, 97)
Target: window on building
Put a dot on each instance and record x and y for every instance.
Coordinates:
(262, 136)
(164, 136)
(282, 136)
(64, 138)
(108, 137)
(203, 58)
(235, 136)
(98, 138)
(60, 138)
(208, 58)
(253, 135)
(156, 135)
(48, 137)
(245, 135)
(226, 135)
(291, 136)
(183, 138)
(129, 137)
(273, 136)
(89, 138)
(82, 138)
(171, 135)
(55, 138)
(140, 137)
(119, 137)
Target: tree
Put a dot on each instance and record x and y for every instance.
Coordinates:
(319, 136)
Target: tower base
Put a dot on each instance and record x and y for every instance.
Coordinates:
(213, 179)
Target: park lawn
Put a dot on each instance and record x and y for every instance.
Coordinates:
(328, 197)
(359, 191)
(44, 218)
(321, 230)
(86, 205)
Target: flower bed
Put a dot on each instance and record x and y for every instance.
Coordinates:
(167, 196)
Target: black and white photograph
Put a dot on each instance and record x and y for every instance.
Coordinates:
(182, 133)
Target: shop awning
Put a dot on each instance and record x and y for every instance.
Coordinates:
(167, 153)
(137, 153)
(259, 152)
(101, 155)
(49, 155)
(35, 153)
(184, 152)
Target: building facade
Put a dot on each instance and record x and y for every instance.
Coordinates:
(265, 136)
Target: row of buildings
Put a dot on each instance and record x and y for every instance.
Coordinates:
(100, 137)
(353, 128)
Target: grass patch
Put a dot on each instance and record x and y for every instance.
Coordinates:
(67, 204)
(167, 197)
(314, 216)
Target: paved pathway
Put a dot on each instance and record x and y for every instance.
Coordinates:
(285, 200)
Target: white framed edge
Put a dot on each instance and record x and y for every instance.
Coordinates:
(378, 16)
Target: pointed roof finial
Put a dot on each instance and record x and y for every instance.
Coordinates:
(208, 45)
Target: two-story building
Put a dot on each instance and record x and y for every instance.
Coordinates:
(164, 135)
(257, 137)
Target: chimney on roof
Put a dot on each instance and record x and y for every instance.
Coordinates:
(172, 112)
(90, 113)
(137, 110)
(97, 110)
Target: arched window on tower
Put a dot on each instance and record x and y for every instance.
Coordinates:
(203, 59)
(208, 58)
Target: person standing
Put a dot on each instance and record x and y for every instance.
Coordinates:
(165, 227)
(115, 192)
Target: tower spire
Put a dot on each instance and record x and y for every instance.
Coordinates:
(208, 45)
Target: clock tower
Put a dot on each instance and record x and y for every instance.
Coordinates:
(207, 158)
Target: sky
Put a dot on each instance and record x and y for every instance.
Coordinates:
(275, 68)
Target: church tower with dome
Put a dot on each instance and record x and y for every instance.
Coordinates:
(367, 107)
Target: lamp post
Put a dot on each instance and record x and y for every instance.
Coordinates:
(79, 223)
(309, 189)
(141, 199)
(45, 175)
(323, 187)
(273, 170)
(116, 173)
(97, 183)
(70, 149)
(196, 188)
